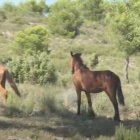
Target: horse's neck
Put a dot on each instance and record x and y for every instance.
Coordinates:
(80, 67)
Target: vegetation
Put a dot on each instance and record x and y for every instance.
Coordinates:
(127, 26)
(31, 40)
(92, 10)
(35, 6)
(36, 40)
(124, 134)
(64, 18)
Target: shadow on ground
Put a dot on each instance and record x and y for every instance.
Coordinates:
(67, 124)
(89, 127)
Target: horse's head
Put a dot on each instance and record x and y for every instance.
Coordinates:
(74, 59)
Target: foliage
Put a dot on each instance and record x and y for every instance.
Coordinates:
(126, 23)
(126, 134)
(23, 13)
(129, 29)
(64, 18)
(31, 40)
(35, 6)
(9, 10)
(9, 7)
(36, 69)
(92, 9)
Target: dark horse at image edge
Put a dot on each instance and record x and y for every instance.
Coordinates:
(95, 82)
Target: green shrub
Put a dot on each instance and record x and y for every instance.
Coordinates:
(93, 9)
(9, 7)
(31, 40)
(126, 134)
(35, 69)
(64, 18)
(34, 6)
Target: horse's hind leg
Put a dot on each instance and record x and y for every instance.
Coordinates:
(3, 91)
(90, 109)
(78, 101)
(112, 96)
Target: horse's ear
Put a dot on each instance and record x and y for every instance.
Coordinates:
(71, 53)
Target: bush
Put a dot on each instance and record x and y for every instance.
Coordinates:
(125, 134)
(64, 18)
(93, 9)
(9, 7)
(31, 40)
(34, 6)
(35, 69)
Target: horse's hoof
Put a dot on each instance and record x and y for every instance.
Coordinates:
(78, 114)
(92, 114)
(116, 119)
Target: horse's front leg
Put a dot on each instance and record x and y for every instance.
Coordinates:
(90, 109)
(78, 101)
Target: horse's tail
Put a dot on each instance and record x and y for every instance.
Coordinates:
(120, 94)
(12, 83)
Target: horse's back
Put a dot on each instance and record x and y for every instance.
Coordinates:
(105, 73)
(107, 77)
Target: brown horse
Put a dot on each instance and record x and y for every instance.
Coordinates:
(95, 82)
(4, 74)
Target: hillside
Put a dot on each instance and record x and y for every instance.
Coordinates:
(49, 111)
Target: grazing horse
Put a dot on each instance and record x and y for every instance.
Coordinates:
(95, 82)
(5, 75)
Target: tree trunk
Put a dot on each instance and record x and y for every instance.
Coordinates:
(139, 76)
(126, 69)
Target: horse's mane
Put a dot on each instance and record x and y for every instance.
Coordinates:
(79, 59)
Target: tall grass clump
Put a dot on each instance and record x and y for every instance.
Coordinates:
(20, 106)
(50, 103)
(64, 80)
(127, 134)
(12, 108)
(35, 100)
